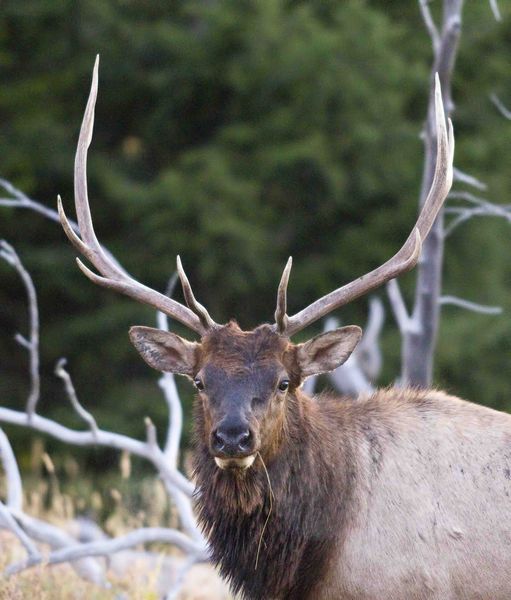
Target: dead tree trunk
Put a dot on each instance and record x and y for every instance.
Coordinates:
(420, 338)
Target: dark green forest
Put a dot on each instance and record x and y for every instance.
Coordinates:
(235, 134)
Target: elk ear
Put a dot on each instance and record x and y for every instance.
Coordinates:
(165, 351)
(327, 351)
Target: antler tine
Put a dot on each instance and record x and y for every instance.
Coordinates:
(112, 276)
(280, 311)
(191, 301)
(407, 257)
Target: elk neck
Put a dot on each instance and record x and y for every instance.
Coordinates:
(312, 475)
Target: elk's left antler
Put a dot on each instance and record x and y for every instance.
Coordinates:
(404, 260)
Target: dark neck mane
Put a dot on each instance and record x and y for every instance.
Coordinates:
(311, 478)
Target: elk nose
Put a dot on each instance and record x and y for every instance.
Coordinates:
(231, 441)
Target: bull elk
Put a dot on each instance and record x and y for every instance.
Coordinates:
(404, 494)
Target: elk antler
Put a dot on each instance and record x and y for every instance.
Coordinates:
(195, 317)
(404, 260)
(280, 311)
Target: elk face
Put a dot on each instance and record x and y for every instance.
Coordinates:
(244, 380)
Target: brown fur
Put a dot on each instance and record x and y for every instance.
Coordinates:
(299, 538)
(402, 495)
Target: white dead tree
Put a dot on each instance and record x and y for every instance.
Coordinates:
(63, 547)
(418, 328)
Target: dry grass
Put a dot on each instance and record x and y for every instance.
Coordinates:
(125, 503)
(44, 583)
(132, 575)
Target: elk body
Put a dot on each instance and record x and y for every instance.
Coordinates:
(401, 495)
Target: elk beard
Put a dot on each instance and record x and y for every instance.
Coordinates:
(221, 492)
(230, 491)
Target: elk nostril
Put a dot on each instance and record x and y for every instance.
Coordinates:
(218, 441)
(244, 440)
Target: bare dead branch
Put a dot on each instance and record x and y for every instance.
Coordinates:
(469, 213)
(471, 198)
(505, 112)
(368, 351)
(46, 533)
(480, 208)
(8, 522)
(21, 200)
(468, 305)
(61, 372)
(12, 473)
(105, 547)
(430, 24)
(309, 385)
(461, 177)
(168, 386)
(102, 438)
(171, 285)
(179, 488)
(176, 484)
(404, 321)
(31, 344)
(87, 568)
(447, 50)
(150, 430)
(495, 10)
(14, 497)
(29, 527)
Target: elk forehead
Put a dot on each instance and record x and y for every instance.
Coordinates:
(236, 352)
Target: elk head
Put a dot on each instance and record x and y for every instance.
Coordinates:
(244, 379)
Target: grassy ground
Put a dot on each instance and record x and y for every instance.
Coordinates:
(55, 583)
(119, 503)
(140, 580)
(60, 582)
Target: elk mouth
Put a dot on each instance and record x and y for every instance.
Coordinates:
(235, 463)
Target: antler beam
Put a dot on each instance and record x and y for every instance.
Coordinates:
(195, 317)
(405, 259)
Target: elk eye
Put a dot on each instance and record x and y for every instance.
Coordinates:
(199, 384)
(284, 385)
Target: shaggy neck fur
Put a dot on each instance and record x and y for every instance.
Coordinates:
(307, 520)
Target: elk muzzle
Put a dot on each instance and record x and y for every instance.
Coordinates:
(233, 444)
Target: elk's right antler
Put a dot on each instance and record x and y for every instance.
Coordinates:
(195, 317)
(404, 260)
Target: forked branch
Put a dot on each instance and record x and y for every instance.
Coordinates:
(31, 344)
(105, 547)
